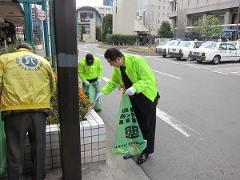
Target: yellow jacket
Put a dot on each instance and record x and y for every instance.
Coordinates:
(26, 81)
(86, 72)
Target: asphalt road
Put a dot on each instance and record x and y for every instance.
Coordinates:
(198, 119)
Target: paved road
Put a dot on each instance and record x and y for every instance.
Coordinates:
(197, 135)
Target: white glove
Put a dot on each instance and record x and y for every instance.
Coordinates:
(86, 83)
(130, 91)
(98, 81)
(99, 96)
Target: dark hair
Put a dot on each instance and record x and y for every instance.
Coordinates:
(89, 57)
(112, 54)
(25, 46)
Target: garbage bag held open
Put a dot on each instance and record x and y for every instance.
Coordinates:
(129, 139)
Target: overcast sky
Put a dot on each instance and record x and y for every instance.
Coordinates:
(89, 3)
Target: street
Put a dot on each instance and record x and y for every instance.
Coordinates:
(197, 118)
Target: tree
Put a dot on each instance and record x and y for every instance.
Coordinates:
(165, 31)
(106, 26)
(208, 27)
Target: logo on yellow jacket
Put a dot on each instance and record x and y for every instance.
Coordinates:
(29, 63)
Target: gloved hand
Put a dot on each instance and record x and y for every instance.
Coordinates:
(98, 81)
(86, 83)
(130, 91)
(99, 96)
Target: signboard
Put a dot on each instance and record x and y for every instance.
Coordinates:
(42, 15)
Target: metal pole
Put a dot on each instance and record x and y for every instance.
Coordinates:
(28, 23)
(45, 27)
(238, 21)
(66, 49)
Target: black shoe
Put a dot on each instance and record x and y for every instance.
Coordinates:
(142, 158)
(127, 156)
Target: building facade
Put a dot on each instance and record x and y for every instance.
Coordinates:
(185, 13)
(88, 19)
(156, 12)
(107, 2)
(124, 15)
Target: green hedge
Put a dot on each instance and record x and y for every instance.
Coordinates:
(119, 39)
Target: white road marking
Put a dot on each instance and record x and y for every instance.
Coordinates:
(99, 54)
(236, 72)
(190, 65)
(87, 51)
(177, 125)
(167, 74)
(84, 47)
(172, 122)
(219, 72)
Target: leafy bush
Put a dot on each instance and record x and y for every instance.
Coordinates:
(119, 39)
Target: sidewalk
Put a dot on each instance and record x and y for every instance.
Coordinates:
(115, 168)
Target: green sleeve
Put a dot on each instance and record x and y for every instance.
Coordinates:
(113, 83)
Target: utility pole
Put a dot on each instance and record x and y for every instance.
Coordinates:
(238, 21)
(66, 50)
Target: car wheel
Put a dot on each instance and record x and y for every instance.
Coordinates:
(216, 59)
(199, 61)
(164, 55)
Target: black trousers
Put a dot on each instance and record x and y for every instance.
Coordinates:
(145, 111)
(16, 127)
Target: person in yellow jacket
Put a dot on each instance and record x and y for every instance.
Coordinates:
(27, 83)
(90, 71)
(134, 74)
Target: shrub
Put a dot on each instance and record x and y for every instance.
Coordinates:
(119, 39)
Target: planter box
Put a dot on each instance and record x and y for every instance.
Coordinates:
(93, 143)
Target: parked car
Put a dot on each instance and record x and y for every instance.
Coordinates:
(236, 44)
(163, 49)
(181, 51)
(215, 52)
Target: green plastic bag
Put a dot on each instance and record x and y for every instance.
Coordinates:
(91, 91)
(2, 148)
(129, 139)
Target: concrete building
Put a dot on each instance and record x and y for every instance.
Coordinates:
(107, 2)
(88, 19)
(184, 13)
(127, 18)
(156, 12)
(104, 10)
(147, 14)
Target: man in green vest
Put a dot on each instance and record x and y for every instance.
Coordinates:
(134, 74)
(90, 71)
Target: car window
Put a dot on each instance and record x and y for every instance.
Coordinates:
(197, 44)
(231, 47)
(209, 45)
(186, 44)
(223, 47)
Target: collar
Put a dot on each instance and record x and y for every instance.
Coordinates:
(23, 49)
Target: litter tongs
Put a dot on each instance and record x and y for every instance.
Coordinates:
(90, 108)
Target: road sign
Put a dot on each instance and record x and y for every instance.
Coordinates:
(42, 15)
